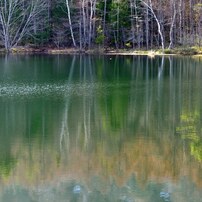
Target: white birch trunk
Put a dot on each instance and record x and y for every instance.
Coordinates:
(172, 25)
(70, 23)
(149, 5)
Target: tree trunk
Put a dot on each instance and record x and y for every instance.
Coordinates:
(157, 21)
(172, 25)
(104, 20)
(70, 23)
(147, 28)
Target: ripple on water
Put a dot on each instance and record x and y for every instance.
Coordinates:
(27, 90)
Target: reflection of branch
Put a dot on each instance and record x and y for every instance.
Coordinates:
(86, 75)
(86, 125)
(160, 71)
(132, 112)
(161, 68)
(87, 101)
(64, 134)
(86, 110)
(171, 65)
(172, 96)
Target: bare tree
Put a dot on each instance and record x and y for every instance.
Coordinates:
(91, 21)
(70, 23)
(87, 22)
(18, 19)
(180, 20)
(149, 5)
(172, 23)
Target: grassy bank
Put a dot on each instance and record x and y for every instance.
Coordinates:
(185, 51)
(176, 51)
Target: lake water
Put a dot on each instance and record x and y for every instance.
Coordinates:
(100, 129)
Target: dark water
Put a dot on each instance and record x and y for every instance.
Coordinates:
(96, 129)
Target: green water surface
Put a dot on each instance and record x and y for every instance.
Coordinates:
(100, 128)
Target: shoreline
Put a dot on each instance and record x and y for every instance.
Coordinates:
(70, 51)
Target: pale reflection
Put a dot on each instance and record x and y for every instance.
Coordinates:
(160, 70)
(64, 134)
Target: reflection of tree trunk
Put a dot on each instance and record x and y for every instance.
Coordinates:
(83, 126)
(172, 111)
(134, 114)
(64, 134)
(86, 110)
(43, 140)
(86, 121)
(172, 97)
(160, 71)
(180, 90)
(87, 79)
(147, 99)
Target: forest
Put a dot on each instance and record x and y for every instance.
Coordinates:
(88, 24)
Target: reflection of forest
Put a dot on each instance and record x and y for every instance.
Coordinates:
(119, 120)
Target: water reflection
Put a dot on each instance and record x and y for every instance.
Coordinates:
(86, 128)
